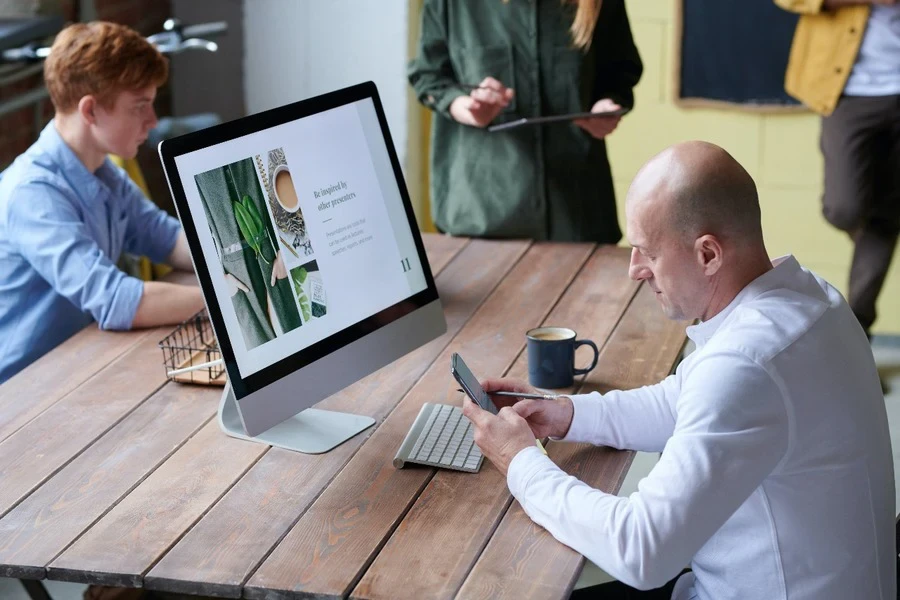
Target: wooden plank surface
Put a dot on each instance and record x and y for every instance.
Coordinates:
(329, 548)
(133, 493)
(522, 560)
(52, 439)
(222, 550)
(104, 556)
(459, 512)
(45, 523)
(41, 384)
(441, 249)
(122, 545)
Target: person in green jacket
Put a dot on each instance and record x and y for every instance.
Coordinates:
(527, 58)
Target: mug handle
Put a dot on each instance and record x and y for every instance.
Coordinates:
(593, 362)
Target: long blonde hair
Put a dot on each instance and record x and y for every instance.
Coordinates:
(582, 28)
(585, 20)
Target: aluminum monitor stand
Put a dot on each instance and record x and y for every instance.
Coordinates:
(311, 431)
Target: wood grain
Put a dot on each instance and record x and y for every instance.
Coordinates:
(441, 249)
(218, 555)
(522, 560)
(45, 523)
(41, 384)
(52, 439)
(458, 512)
(110, 480)
(128, 540)
(329, 548)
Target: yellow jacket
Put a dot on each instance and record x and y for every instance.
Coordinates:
(823, 52)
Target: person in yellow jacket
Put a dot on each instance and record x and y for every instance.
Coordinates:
(845, 65)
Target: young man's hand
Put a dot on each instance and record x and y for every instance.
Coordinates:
(483, 104)
(499, 437)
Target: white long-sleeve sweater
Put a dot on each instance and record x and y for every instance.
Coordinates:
(776, 478)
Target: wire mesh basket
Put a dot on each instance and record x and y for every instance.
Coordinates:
(193, 343)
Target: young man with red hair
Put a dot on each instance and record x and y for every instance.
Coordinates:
(67, 213)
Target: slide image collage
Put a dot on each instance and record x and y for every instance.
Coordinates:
(269, 264)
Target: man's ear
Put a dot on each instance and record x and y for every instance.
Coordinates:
(87, 108)
(709, 253)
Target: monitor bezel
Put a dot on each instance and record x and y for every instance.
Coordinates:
(172, 148)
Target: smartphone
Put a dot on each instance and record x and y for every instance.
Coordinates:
(470, 384)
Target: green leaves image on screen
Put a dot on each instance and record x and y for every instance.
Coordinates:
(252, 229)
(298, 276)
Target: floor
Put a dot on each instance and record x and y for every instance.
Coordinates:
(887, 356)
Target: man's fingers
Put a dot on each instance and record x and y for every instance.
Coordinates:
(505, 384)
(493, 384)
(475, 413)
(526, 408)
(509, 414)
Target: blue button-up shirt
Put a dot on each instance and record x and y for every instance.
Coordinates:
(62, 230)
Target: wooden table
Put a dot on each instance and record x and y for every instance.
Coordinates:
(109, 474)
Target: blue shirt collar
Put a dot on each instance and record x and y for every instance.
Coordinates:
(86, 183)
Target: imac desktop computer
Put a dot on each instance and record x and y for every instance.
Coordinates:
(312, 267)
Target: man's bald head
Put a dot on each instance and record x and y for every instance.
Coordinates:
(702, 190)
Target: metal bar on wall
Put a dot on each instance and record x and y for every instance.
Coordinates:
(24, 100)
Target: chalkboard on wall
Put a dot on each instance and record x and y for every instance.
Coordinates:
(733, 53)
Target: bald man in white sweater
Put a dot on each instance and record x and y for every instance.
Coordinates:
(776, 478)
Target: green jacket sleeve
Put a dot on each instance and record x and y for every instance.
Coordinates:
(618, 63)
(430, 73)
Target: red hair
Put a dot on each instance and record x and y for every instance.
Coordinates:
(102, 60)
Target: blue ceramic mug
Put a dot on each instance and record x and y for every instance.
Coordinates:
(551, 357)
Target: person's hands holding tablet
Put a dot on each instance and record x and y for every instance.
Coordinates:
(605, 111)
(483, 103)
(601, 127)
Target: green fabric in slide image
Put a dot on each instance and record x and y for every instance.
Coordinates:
(235, 208)
(250, 224)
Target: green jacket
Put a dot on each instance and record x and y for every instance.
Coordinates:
(546, 182)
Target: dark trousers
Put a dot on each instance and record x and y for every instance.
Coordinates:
(861, 145)
(617, 590)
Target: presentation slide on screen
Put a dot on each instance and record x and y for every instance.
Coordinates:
(303, 230)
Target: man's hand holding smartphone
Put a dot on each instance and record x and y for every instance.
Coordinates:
(547, 418)
(500, 437)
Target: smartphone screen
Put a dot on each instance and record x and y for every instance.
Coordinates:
(470, 384)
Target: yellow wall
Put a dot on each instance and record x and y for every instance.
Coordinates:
(779, 150)
(418, 133)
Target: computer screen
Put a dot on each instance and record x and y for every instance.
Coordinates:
(302, 234)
